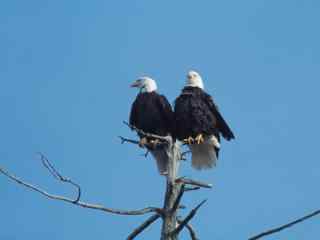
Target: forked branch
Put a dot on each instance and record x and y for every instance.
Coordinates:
(75, 201)
(185, 221)
(48, 165)
(175, 189)
(192, 232)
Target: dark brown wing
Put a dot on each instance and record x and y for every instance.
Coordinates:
(152, 113)
(166, 113)
(221, 123)
(133, 119)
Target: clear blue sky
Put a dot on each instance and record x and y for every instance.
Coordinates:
(65, 67)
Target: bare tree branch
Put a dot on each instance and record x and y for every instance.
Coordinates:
(288, 225)
(48, 165)
(148, 145)
(175, 189)
(191, 189)
(192, 232)
(143, 226)
(187, 219)
(124, 140)
(178, 199)
(194, 182)
(77, 202)
(150, 135)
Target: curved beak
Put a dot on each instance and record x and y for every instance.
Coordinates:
(135, 84)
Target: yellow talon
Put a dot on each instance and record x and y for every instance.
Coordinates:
(199, 139)
(188, 140)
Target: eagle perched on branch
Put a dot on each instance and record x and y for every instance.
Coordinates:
(199, 123)
(196, 121)
(152, 113)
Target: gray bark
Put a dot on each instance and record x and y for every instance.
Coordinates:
(172, 193)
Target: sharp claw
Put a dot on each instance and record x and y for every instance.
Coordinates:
(199, 139)
(188, 140)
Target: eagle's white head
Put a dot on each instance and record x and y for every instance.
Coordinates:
(145, 84)
(194, 80)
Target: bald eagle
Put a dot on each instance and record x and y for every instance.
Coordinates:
(199, 123)
(152, 113)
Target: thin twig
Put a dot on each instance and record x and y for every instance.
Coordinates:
(79, 203)
(124, 140)
(148, 145)
(192, 232)
(288, 225)
(194, 182)
(187, 219)
(143, 226)
(141, 132)
(49, 166)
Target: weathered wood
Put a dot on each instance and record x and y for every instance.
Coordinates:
(187, 219)
(194, 182)
(172, 192)
(143, 226)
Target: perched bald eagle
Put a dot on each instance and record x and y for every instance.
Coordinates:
(199, 123)
(152, 113)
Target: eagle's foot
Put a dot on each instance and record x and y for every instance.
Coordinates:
(143, 141)
(188, 140)
(199, 139)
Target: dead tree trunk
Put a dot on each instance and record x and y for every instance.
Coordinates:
(172, 194)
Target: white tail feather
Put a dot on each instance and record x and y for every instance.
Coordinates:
(204, 155)
(161, 157)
